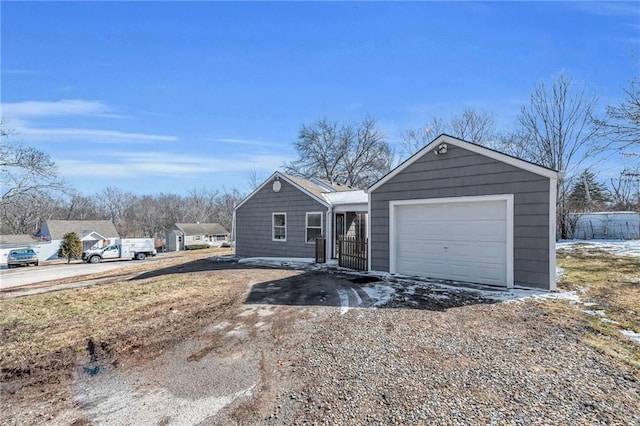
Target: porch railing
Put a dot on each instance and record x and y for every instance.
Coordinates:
(321, 250)
(352, 252)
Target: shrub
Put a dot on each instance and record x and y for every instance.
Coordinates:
(196, 247)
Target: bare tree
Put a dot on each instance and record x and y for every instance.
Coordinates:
(116, 204)
(477, 126)
(623, 121)
(625, 191)
(200, 205)
(255, 179)
(25, 212)
(413, 141)
(473, 125)
(353, 154)
(556, 130)
(25, 171)
(81, 207)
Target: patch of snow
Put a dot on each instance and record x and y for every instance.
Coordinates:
(619, 247)
(344, 301)
(379, 293)
(292, 262)
(596, 313)
(560, 272)
(439, 296)
(607, 320)
(357, 297)
(631, 335)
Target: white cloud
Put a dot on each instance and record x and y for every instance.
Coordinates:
(242, 141)
(147, 164)
(22, 117)
(90, 135)
(64, 107)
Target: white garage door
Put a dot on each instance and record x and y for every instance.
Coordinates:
(460, 241)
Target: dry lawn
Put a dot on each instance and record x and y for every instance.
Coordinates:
(41, 333)
(613, 283)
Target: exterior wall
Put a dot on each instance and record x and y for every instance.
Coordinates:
(463, 173)
(172, 239)
(254, 226)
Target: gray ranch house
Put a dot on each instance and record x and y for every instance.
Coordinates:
(284, 215)
(182, 235)
(453, 211)
(462, 212)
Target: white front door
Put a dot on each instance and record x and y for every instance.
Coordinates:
(463, 240)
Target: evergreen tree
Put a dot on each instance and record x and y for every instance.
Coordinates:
(70, 247)
(587, 194)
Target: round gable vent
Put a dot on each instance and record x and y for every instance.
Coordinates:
(276, 186)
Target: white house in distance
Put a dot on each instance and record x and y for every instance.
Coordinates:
(181, 235)
(92, 233)
(46, 242)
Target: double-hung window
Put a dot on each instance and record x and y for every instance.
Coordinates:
(279, 226)
(314, 226)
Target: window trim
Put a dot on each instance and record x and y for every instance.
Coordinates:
(306, 227)
(273, 227)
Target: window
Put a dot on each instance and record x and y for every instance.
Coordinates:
(314, 227)
(221, 237)
(279, 222)
(197, 237)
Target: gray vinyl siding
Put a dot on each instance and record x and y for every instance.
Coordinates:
(254, 226)
(461, 173)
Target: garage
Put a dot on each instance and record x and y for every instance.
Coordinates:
(462, 212)
(466, 239)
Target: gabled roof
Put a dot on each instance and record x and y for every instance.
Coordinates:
(478, 149)
(202, 228)
(19, 239)
(57, 228)
(314, 187)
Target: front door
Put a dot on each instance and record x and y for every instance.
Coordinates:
(340, 229)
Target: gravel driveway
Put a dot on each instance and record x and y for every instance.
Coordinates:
(411, 353)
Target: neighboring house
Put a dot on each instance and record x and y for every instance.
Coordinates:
(92, 233)
(181, 235)
(606, 225)
(9, 242)
(462, 212)
(285, 214)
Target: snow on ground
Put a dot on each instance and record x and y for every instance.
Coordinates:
(381, 293)
(291, 262)
(631, 335)
(620, 247)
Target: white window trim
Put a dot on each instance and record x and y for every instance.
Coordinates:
(273, 227)
(507, 198)
(306, 226)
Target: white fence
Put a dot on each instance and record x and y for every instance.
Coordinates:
(606, 225)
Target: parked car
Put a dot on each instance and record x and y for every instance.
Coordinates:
(23, 256)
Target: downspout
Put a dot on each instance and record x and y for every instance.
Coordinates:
(329, 237)
(233, 231)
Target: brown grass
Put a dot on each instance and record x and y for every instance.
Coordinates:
(613, 282)
(128, 267)
(40, 330)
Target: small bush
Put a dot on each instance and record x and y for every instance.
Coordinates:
(196, 247)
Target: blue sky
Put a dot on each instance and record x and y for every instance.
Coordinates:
(167, 97)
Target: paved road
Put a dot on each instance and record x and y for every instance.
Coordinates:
(29, 274)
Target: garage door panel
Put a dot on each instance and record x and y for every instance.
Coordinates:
(447, 230)
(456, 241)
